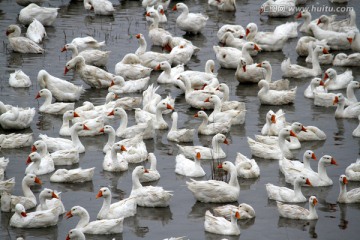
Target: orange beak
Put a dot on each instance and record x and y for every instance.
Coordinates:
(174, 8)
(85, 127)
(99, 194)
(162, 11)
(158, 67)
(123, 148)
(244, 68)
(333, 162)
(53, 195)
(28, 161)
(315, 201)
(63, 49)
(220, 166)
(112, 113)
(102, 130)
(33, 148)
(112, 83)
(325, 51)
(23, 214)
(261, 10)
(37, 96)
(137, 36)
(247, 32)
(76, 115)
(299, 15)
(292, 134)
(303, 129)
(207, 100)
(237, 215)
(66, 70)
(226, 141)
(146, 171)
(350, 40)
(258, 65)
(308, 182)
(313, 156)
(37, 180)
(198, 155)
(257, 48)
(116, 96)
(168, 106)
(326, 76)
(273, 118)
(167, 47)
(69, 215)
(67, 237)
(322, 83)
(196, 115)
(345, 181)
(318, 22)
(147, 14)
(336, 100)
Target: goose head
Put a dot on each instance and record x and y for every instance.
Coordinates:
(75, 234)
(107, 129)
(339, 98)
(70, 114)
(30, 179)
(264, 64)
(13, 31)
(152, 14)
(242, 64)
(33, 157)
(119, 147)
(111, 96)
(104, 192)
(354, 84)
(297, 127)
(303, 14)
(313, 200)
(226, 165)
(330, 74)
(221, 138)
(351, 36)
(271, 116)
(286, 132)
(79, 127)
(19, 209)
(251, 29)
(48, 194)
(68, 46)
(223, 87)
(201, 114)
(343, 179)
(308, 154)
(164, 104)
(117, 112)
(251, 46)
(73, 62)
(213, 99)
(131, 58)
(328, 160)
(76, 211)
(323, 19)
(247, 208)
(316, 82)
(160, 9)
(38, 146)
(263, 83)
(302, 180)
(163, 65)
(118, 81)
(44, 93)
(210, 66)
(140, 170)
(179, 6)
(321, 49)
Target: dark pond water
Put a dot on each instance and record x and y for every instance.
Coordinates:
(184, 217)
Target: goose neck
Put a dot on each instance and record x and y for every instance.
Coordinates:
(174, 124)
(322, 171)
(84, 219)
(315, 61)
(136, 181)
(268, 73)
(204, 123)
(106, 205)
(350, 94)
(75, 137)
(343, 191)
(233, 177)
(313, 212)
(27, 191)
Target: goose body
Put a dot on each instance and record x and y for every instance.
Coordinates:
(245, 167)
(100, 7)
(52, 108)
(351, 111)
(353, 171)
(15, 118)
(220, 225)
(189, 168)
(36, 31)
(352, 196)
(246, 211)
(76, 175)
(207, 128)
(21, 44)
(297, 212)
(351, 60)
(275, 97)
(337, 81)
(50, 199)
(88, 42)
(16, 140)
(120, 86)
(189, 22)
(179, 135)
(93, 57)
(274, 122)
(46, 16)
(130, 67)
(112, 162)
(153, 174)
(19, 79)
(169, 75)
(38, 165)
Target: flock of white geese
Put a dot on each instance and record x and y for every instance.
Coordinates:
(202, 91)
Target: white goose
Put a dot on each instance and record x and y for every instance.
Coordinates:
(91, 75)
(106, 226)
(275, 152)
(236, 30)
(229, 40)
(15, 118)
(121, 209)
(92, 56)
(83, 43)
(197, 78)
(217, 191)
(55, 144)
(46, 16)
(19, 79)
(130, 67)
(215, 152)
(306, 15)
(336, 40)
(220, 225)
(248, 73)
(297, 212)
(120, 86)
(60, 157)
(38, 165)
(284, 163)
(21, 44)
(236, 116)
(189, 168)
(246, 211)
(352, 196)
(227, 5)
(61, 90)
(302, 46)
(38, 219)
(228, 57)
(353, 171)
(317, 179)
(75, 234)
(189, 22)
(284, 194)
(52, 108)
(100, 7)
(123, 131)
(67, 117)
(6, 186)
(351, 111)
(245, 167)
(351, 60)
(152, 174)
(337, 81)
(113, 163)
(8, 201)
(16, 140)
(148, 196)
(350, 94)
(316, 85)
(76, 175)
(49, 199)
(36, 31)
(172, 42)
(274, 122)
(275, 97)
(282, 84)
(179, 135)
(354, 40)
(157, 35)
(356, 132)
(160, 11)
(169, 75)
(225, 103)
(297, 71)
(312, 133)
(213, 128)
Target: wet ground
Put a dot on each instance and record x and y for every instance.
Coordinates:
(184, 217)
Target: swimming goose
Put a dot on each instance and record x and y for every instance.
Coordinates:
(226, 104)
(282, 84)
(169, 75)
(356, 132)
(100, 7)
(354, 40)
(114, 163)
(76, 175)
(179, 135)
(36, 31)
(46, 16)
(213, 191)
(316, 85)
(189, 22)
(274, 122)
(351, 60)
(245, 167)
(52, 108)
(236, 30)
(75, 234)
(351, 111)
(38, 165)
(220, 225)
(353, 171)
(306, 15)
(130, 67)
(15, 117)
(213, 128)
(249, 73)
(246, 211)
(336, 40)
(157, 35)
(93, 57)
(83, 43)
(49, 199)
(152, 174)
(21, 44)
(19, 79)
(118, 85)
(352, 196)
(337, 81)
(229, 40)
(16, 140)
(189, 168)
(275, 97)
(297, 212)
